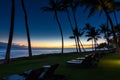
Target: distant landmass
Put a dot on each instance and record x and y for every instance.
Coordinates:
(14, 46)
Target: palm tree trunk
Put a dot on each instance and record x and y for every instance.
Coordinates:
(95, 44)
(82, 46)
(27, 29)
(60, 28)
(115, 17)
(92, 44)
(7, 57)
(107, 34)
(68, 15)
(75, 18)
(76, 45)
(77, 29)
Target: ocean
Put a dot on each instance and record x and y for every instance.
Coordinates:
(24, 52)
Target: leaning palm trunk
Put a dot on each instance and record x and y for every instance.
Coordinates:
(68, 15)
(59, 25)
(111, 23)
(7, 57)
(79, 44)
(107, 35)
(27, 29)
(115, 18)
(82, 46)
(76, 45)
(92, 45)
(77, 36)
(95, 44)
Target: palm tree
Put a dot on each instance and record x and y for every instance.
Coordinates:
(103, 6)
(27, 29)
(73, 37)
(55, 6)
(7, 57)
(107, 33)
(78, 33)
(74, 4)
(65, 4)
(113, 7)
(93, 34)
(111, 23)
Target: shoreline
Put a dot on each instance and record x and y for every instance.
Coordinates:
(2, 60)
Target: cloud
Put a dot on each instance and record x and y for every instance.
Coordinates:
(14, 46)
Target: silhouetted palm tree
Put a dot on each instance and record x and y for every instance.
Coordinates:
(27, 29)
(93, 34)
(7, 57)
(74, 5)
(73, 37)
(111, 23)
(78, 33)
(55, 6)
(100, 5)
(107, 33)
(65, 4)
(113, 7)
(81, 32)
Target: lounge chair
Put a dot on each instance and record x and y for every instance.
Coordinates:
(32, 75)
(49, 74)
(43, 73)
(75, 61)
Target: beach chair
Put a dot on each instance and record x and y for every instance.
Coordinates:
(32, 75)
(75, 61)
(87, 61)
(49, 74)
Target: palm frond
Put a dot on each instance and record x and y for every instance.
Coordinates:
(47, 9)
(72, 37)
(92, 11)
(89, 39)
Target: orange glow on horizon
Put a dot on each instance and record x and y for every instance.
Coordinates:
(53, 44)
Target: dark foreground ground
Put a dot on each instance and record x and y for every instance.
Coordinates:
(108, 67)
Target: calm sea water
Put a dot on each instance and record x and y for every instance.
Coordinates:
(24, 52)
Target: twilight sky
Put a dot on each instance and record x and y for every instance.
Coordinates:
(43, 27)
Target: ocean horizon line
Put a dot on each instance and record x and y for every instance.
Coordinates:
(36, 51)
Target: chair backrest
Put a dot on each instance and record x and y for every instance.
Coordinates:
(87, 60)
(51, 70)
(35, 74)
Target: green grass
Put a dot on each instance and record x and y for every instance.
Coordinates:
(107, 69)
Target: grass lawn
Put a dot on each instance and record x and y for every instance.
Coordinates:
(107, 69)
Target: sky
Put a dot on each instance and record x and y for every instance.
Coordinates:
(44, 31)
